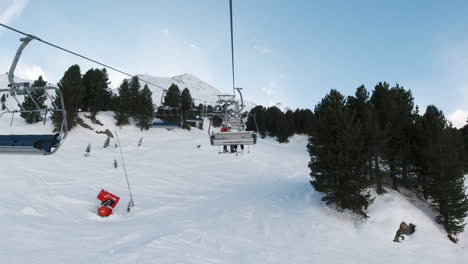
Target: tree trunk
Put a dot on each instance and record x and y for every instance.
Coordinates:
(371, 176)
(378, 177)
(393, 176)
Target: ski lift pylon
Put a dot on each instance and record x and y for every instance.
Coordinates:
(32, 144)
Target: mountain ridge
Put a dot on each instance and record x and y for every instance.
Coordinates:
(201, 91)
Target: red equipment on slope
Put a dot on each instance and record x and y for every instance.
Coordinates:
(108, 203)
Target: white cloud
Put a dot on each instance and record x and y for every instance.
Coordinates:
(30, 72)
(270, 88)
(194, 46)
(262, 49)
(165, 31)
(12, 11)
(458, 118)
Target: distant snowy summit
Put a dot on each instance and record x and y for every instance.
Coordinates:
(200, 90)
(4, 81)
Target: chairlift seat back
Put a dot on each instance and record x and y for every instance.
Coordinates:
(165, 124)
(233, 138)
(28, 144)
(194, 120)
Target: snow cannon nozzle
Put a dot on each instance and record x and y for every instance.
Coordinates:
(108, 203)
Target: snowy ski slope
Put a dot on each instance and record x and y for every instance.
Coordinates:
(195, 206)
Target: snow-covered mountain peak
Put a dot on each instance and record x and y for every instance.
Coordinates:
(200, 90)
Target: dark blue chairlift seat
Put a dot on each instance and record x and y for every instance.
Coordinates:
(28, 143)
(165, 124)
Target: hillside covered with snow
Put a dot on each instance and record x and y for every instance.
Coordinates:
(193, 205)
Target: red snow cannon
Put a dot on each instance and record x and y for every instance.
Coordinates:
(108, 203)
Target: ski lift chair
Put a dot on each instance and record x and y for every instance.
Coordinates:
(233, 138)
(33, 144)
(163, 124)
(238, 135)
(193, 118)
(162, 113)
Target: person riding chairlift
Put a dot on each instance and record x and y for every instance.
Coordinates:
(224, 128)
(233, 147)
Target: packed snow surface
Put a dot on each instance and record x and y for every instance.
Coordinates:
(193, 205)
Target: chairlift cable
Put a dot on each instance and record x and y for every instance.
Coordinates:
(79, 55)
(89, 59)
(232, 50)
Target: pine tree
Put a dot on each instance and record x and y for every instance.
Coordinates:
(395, 113)
(88, 90)
(308, 121)
(298, 116)
(281, 127)
(360, 104)
(186, 101)
(259, 113)
(270, 122)
(451, 200)
(202, 109)
(375, 137)
(70, 86)
(433, 123)
(134, 93)
(96, 93)
(303, 121)
(338, 155)
(380, 128)
(398, 149)
(38, 96)
(443, 170)
(144, 108)
(209, 109)
(172, 97)
(291, 124)
(124, 104)
(464, 132)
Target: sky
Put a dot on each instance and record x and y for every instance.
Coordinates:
(291, 52)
